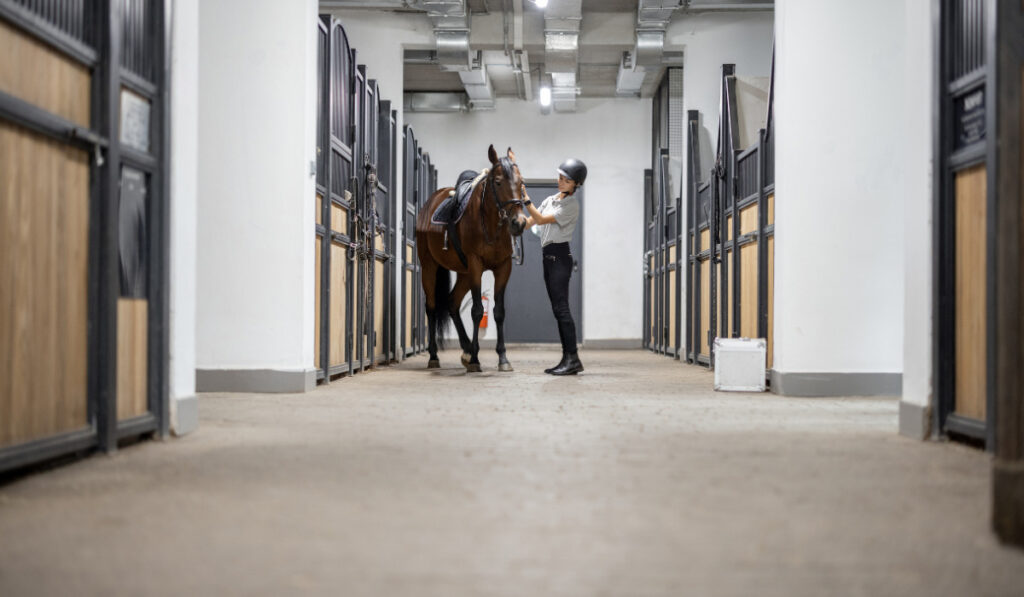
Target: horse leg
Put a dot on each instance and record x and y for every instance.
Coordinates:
(501, 276)
(429, 273)
(459, 293)
(475, 272)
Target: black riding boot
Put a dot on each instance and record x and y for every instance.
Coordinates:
(571, 367)
(565, 358)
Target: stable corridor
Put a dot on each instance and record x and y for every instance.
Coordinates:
(630, 479)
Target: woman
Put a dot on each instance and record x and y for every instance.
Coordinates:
(556, 221)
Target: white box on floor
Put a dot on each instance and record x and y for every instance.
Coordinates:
(740, 364)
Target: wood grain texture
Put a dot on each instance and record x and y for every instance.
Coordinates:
(728, 227)
(770, 242)
(131, 358)
(44, 242)
(31, 71)
(770, 219)
(725, 289)
(318, 250)
(652, 335)
(409, 281)
(748, 219)
(705, 240)
(378, 311)
(319, 209)
(672, 306)
(339, 219)
(748, 291)
(971, 293)
(704, 269)
(339, 299)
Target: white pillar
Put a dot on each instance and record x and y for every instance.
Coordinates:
(257, 122)
(184, 131)
(841, 166)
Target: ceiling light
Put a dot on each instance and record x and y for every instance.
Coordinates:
(541, 3)
(545, 96)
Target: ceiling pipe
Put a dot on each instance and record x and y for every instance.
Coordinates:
(562, 51)
(451, 23)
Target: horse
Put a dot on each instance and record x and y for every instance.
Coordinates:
(493, 216)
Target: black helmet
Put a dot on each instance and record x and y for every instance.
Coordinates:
(574, 170)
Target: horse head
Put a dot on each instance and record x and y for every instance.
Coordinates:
(506, 182)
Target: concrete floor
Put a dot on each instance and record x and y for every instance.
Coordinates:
(632, 479)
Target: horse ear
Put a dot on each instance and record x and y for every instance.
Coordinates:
(493, 155)
(511, 154)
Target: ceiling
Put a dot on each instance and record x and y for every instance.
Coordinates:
(607, 31)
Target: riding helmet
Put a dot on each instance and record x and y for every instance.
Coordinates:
(575, 170)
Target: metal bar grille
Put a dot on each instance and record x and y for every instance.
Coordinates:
(137, 27)
(67, 16)
(967, 29)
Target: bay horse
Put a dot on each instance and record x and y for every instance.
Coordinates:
(493, 216)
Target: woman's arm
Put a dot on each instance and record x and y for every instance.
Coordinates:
(535, 216)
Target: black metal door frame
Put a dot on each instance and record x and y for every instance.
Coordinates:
(124, 45)
(964, 44)
(336, 183)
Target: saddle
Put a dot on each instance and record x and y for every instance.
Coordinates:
(454, 205)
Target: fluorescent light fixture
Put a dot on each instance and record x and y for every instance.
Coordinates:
(545, 96)
(541, 3)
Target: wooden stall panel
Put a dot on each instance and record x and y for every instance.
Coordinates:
(725, 290)
(705, 239)
(770, 219)
(44, 247)
(728, 228)
(31, 71)
(704, 268)
(771, 298)
(339, 300)
(131, 358)
(319, 211)
(970, 191)
(748, 290)
(316, 302)
(339, 219)
(651, 333)
(748, 219)
(378, 342)
(672, 309)
(409, 313)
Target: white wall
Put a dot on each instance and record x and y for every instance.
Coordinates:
(613, 137)
(257, 120)
(708, 41)
(841, 171)
(917, 343)
(184, 141)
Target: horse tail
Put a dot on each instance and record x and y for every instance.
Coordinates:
(442, 300)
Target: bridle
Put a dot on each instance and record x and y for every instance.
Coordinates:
(504, 207)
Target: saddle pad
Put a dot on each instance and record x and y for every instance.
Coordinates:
(454, 205)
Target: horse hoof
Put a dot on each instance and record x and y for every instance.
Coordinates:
(473, 368)
(466, 358)
(433, 364)
(505, 367)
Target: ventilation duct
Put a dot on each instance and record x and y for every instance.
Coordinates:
(652, 19)
(435, 102)
(562, 51)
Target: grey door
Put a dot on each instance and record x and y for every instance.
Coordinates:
(528, 316)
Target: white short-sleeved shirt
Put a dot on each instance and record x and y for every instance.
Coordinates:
(566, 212)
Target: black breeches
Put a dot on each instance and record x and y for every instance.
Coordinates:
(557, 271)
